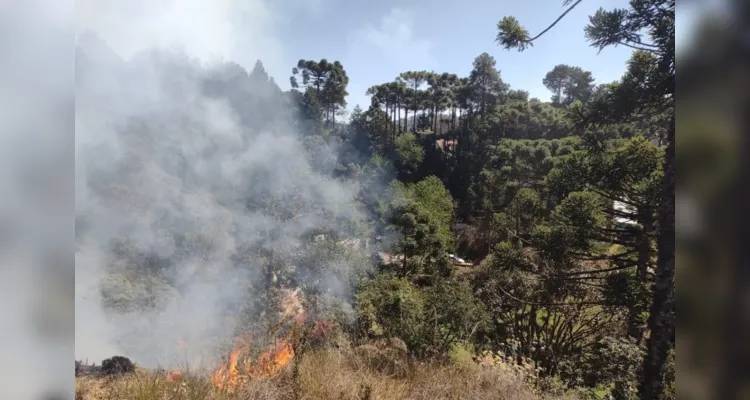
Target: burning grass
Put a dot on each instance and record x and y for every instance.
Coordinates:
(328, 373)
(331, 368)
(240, 367)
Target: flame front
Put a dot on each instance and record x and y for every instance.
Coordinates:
(226, 377)
(239, 368)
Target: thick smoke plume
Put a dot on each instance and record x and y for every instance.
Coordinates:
(191, 176)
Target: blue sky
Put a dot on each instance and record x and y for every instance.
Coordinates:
(376, 40)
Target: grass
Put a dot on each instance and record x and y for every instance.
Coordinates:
(324, 374)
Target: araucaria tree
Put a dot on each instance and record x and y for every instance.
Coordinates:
(326, 81)
(646, 90)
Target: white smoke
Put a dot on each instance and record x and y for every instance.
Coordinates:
(164, 171)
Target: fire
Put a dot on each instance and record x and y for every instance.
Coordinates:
(240, 368)
(226, 377)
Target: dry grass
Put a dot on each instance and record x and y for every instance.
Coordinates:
(323, 374)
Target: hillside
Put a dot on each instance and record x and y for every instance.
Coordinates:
(329, 374)
(280, 249)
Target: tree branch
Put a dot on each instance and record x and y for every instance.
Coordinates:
(654, 51)
(588, 257)
(597, 303)
(570, 275)
(556, 21)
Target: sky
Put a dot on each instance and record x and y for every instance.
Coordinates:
(376, 40)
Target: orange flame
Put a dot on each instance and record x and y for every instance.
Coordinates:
(226, 376)
(239, 368)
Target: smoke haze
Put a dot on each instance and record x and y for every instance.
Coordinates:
(190, 174)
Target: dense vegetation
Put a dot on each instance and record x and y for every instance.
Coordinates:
(566, 208)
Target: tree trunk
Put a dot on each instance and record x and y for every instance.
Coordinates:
(406, 118)
(416, 98)
(635, 323)
(398, 119)
(483, 103)
(661, 320)
(414, 121)
(644, 243)
(403, 266)
(395, 122)
(387, 137)
(434, 118)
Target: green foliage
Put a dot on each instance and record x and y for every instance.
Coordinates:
(569, 84)
(420, 244)
(390, 306)
(487, 88)
(611, 362)
(430, 321)
(452, 316)
(506, 257)
(645, 92)
(461, 354)
(409, 154)
(511, 34)
(530, 120)
(324, 84)
(434, 200)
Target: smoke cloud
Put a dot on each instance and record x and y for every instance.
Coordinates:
(191, 176)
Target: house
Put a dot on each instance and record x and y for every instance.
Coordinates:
(446, 144)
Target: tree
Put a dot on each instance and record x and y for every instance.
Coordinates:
(626, 174)
(424, 254)
(517, 95)
(452, 315)
(390, 306)
(647, 88)
(438, 95)
(334, 92)
(414, 80)
(328, 80)
(408, 155)
(486, 85)
(569, 84)
(429, 321)
(434, 200)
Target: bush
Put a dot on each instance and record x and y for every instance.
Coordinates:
(453, 315)
(390, 306)
(134, 291)
(430, 321)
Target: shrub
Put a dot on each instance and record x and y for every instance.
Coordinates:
(390, 306)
